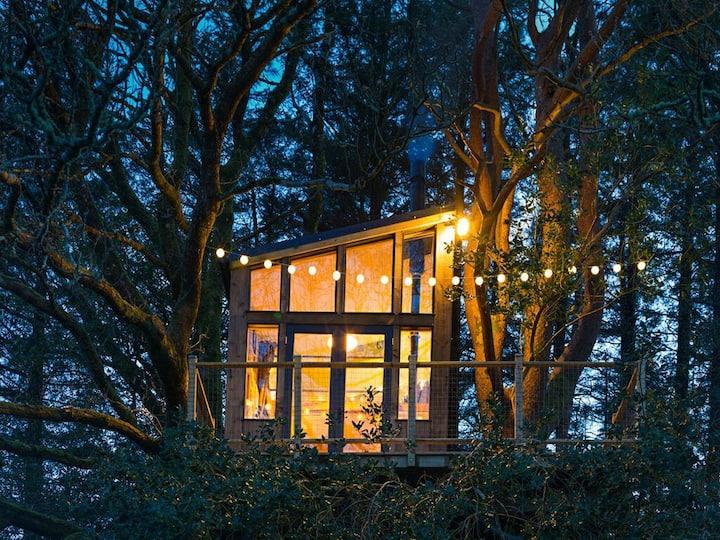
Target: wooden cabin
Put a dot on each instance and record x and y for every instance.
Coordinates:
(371, 293)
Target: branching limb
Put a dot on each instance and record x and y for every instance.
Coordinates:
(30, 520)
(15, 189)
(44, 453)
(82, 416)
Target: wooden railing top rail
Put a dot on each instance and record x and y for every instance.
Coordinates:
(405, 365)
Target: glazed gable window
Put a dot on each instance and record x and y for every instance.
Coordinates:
(265, 289)
(312, 287)
(368, 277)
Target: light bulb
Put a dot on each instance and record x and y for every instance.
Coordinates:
(244, 259)
(329, 342)
(267, 263)
(478, 280)
(455, 280)
(572, 269)
(336, 275)
(312, 270)
(641, 265)
(384, 279)
(407, 281)
(594, 270)
(501, 278)
(220, 252)
(291, 269)
(524, 277)
(360, 278)
(616, 268)
(432, 281)
(351, 343)
(548, 273)
(463, 227)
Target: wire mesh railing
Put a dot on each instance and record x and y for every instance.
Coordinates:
(367, 406)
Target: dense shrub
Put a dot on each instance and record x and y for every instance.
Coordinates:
(197, 487)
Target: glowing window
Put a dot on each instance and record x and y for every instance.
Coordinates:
(415, 342)
(265, 289)
(261, 382)
(417, 269)
(359, 408)
(314, 384)
(368, 278)
(312, 287)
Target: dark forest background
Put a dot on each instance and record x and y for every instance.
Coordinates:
(136, 137)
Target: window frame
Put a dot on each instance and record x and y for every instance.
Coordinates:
(390, 285)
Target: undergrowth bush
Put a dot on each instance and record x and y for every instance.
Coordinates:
(197, 487)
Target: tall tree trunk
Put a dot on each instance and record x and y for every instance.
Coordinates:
(684, 312)
(714, 370)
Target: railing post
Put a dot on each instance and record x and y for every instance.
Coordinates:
(297, 397)
(519, 398)
(412, 409)
(192, 387)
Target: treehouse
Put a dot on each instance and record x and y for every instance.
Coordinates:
(332, 331)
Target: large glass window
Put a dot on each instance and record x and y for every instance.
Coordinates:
(368, 277)
(314, 384)
(361, 413)
(418, 342)
(312, 287)
(417, 269)
(261, 382)
(265, 289)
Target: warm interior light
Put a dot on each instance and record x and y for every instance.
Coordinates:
(360, 278)
(478, 280)
(548, 273)
(594, 270)
(463, 227)
(501, 278)
(351, 343)
(267, 263)
(384, 279)
(336, 275)
(329, 342)
(291, 269)
(617, 267)
(524, 277)
(312, 270)
(220, 252)
(641, 265)
(448, 235)
(455, 280)
(408, 281)
(432, 281)
(244, 259)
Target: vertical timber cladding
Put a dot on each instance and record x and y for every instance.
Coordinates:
(440, 321)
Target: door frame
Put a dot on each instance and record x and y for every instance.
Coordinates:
(337, 375)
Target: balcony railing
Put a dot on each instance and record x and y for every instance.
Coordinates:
(579, 403)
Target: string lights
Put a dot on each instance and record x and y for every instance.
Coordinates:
(432, 281)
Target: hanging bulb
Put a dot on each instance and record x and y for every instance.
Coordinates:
(244, 259)
(267, 263)
(407, 281)
(455, 280)
(312, 270)
(220, 253)
(360, 278)
(479, 280)
(291, 269)
(384, 279)
(572, 269)
(548, 273)
(594, 270)
(463, 227)
(616, 268)
(336, 275)
(524, 276)
(641, 265)
(432, 281)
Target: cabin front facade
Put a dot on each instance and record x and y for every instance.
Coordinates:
(327, 317)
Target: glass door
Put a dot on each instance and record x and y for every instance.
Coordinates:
(342, 401)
